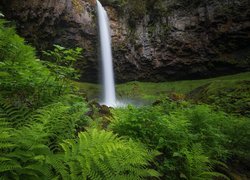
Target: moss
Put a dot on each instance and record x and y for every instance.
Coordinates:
(91, 91)
(78, 7)
(153, 91)
(230, 95)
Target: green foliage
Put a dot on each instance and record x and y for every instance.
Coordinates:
(5, 133)
(147, 91)
(102, 155)
(230, 96)
(199, 167)
(62, 119)
(23, 78)
(61, 62)
(158, 129)
(16, 116)
(40, 120)
(23, 152)
(32, 152)
(177, 129)
(238, 136)
(206, 128)
(29, 151)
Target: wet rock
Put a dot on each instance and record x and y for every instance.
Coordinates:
(204, 41)
(100, 113)
(209, 39)
(69, 23)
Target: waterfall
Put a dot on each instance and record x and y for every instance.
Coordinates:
(109, 97)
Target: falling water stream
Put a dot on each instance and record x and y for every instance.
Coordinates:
(109, 97)
(108, 84)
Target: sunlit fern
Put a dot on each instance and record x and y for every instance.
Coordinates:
(26, 150)
(23, 153)
(102, 155)
(61, 120)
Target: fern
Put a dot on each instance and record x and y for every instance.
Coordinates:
(198, 164)
(23, 78)
(206, 127)
(16, 116)
(61, 119)
(27, 150)
(18, 153)
(6, 145)
(102, 155)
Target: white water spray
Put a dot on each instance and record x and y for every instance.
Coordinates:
(109, 97)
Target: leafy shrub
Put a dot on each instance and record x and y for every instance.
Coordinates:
(199, 165)
(231, 96)
(237, 131)
(206, 128)
(16, 116)
(143, 123)
(23, 78)
(32, 152)
(165, 133)
(61, 61)
(139, 123)
(176, 129)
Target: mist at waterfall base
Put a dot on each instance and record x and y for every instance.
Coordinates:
(108, 83)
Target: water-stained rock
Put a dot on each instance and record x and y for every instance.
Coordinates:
(69, 23)
(212, 38)
(208, 39)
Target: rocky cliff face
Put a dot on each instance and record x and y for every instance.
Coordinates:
(208, 39)
(69, 23)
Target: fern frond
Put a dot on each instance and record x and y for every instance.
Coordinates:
(213, 175)
(16, 116)
(102, 155)
(57, 164)
(9, 166)
(60, 120)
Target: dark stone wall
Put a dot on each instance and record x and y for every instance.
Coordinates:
(209, 39)
(64, 22)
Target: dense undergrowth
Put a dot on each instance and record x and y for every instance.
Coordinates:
(42, 119)
(192, 138)
(48, 131)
